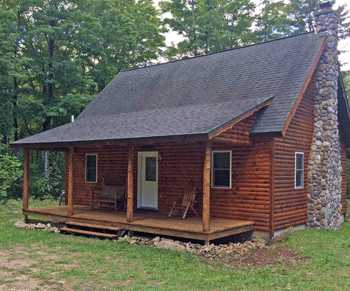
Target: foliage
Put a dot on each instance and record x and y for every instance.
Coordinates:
(346, 80)
(39, 186)
(208, 25)
(55, 56)
(273, 22)
(10, 171)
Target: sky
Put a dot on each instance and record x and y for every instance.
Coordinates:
(344, 45)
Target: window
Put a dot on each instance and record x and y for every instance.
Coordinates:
(299, 170)
(151, 169)
(91, 169)
(221, 169)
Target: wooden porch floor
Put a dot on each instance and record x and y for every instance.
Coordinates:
(148, 222)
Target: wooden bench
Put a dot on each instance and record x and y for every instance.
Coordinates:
(109, 195)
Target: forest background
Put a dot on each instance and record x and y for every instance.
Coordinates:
(57, 55)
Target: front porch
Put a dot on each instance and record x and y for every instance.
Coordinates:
(149, 222)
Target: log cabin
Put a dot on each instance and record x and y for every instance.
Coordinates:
(260, 131)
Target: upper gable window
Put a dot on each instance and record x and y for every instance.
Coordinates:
(221, 169)
(299, 170)
(91, 168)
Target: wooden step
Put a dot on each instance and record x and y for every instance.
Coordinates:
(88, 225)
(86, 232)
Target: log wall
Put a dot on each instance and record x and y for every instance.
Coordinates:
(290, 204)
(262, 172)
(343, 175)
(182, 166)
(249, 197)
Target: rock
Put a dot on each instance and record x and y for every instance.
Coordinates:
(156, 239)
(40, 226)
(20, 223)
(167, 239)
(30, 226)
(170, 245)
(55, 229)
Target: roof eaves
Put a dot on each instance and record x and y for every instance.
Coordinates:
(64, 145)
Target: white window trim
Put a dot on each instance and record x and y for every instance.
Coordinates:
(86, 155)
(212, 169)
(295, 171)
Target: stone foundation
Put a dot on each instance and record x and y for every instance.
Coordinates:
(324, 171)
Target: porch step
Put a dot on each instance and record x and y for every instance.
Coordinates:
(89, 225)
(87, 232)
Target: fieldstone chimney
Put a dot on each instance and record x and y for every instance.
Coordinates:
(324, 171)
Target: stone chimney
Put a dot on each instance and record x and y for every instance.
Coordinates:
(324, 170)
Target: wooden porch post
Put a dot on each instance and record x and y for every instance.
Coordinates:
(26, 182)
(70, 180)
(206, 187)
(130, 186)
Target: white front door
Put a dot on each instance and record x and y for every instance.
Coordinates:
(147, 180)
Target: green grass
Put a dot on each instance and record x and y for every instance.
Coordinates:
(79, 263)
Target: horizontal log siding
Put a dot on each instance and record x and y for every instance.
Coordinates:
(343, 175)
(249, 197)
(290, 204)
(239, 133)
(181, 166)
(112, 166)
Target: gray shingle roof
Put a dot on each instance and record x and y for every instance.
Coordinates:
(197, 95)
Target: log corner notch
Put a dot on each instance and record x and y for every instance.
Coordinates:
(206, 187)
(26, 181)
(130, 186)
(70, 180)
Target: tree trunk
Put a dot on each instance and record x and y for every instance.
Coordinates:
(47, 170)
(194, 29)
(50, 95)
(14, 102)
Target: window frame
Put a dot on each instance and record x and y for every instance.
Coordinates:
(298, 170)
(86, 168)
(212, 169)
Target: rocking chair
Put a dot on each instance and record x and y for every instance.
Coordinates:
(187, 202)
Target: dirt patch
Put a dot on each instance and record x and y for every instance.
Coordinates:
(278, 255)
(274, 254)
(13, 266)
(20, 262)
(126, 282)
(21, 282)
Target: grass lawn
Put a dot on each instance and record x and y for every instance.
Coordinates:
(39, 260)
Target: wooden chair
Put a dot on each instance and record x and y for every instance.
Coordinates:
(108, 195)
(187, 202)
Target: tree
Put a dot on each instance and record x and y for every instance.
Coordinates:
(208, 25)
(56, 55)
(183, 21)
(239, 19)
(118, 35)
(10, 171)
(273, 21)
